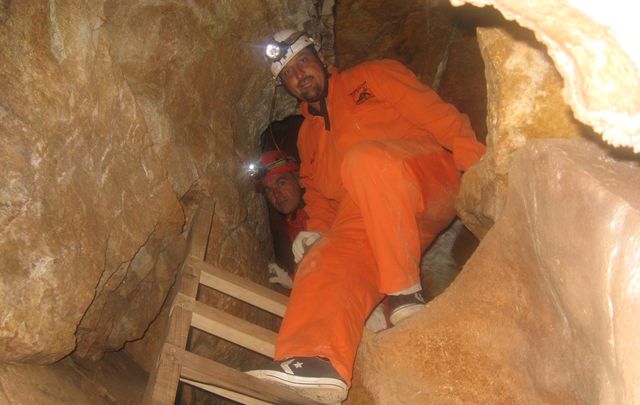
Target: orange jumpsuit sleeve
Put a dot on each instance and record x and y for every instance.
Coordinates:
(321, 211)
(321, 214)
(424, 108)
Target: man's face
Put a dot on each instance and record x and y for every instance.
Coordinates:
(283, 192)
(304, 76)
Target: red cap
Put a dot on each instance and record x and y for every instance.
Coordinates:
(275, 162)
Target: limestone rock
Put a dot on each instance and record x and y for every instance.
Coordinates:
(594, 47)
(414, 32)
(116, 117)
(82, 192)
(524, 103)
(545, 311)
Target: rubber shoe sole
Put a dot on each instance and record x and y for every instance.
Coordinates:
(403, 306)
(404, 312)
(322, 390)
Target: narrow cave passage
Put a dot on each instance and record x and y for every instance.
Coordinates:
(117, 118)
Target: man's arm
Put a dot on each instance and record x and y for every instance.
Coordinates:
(320, 210)
(424, 108)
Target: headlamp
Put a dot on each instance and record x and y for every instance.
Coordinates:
(257, 170)
(276, 50)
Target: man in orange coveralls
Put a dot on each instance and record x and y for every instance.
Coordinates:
(381, 156)
(279, 183)
(277, 178)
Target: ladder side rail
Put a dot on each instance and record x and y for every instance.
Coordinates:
(198, 239)
(164, 378)
(162, 385)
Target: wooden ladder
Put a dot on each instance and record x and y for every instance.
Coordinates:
(175, 363)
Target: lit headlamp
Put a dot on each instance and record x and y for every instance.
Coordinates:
(285, 45)
(276, 50)
(257, 170)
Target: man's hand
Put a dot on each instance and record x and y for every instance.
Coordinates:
(279, 276)
(303, 242)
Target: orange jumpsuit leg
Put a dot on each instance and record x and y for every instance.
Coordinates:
(405, 192)
(334, 291)
(399, 195)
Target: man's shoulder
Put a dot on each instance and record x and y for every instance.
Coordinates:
(376, 66)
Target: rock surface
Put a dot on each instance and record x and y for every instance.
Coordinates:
(524, 103)
(86, 205)
(545, 310)
(115, 379)
(595, 49)
(116, 118)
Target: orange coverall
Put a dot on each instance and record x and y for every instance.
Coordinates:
(380, 185)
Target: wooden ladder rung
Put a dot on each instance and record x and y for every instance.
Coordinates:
(234, 396)
(241, 288)
(206, 372)
(229, 327)
(175, 363)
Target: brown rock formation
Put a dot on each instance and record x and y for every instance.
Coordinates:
(115, 117)
(394, 29)
(115, 379)
(87, 209)
(594, 48)
(544, 311)
(524, 103)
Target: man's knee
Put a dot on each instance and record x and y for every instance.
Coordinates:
(366, 158)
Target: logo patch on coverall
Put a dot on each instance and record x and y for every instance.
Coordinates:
(361, 94)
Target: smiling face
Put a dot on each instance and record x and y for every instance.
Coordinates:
(305, 77)
(283, 192)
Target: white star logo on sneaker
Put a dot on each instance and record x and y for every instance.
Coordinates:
(298, 364)
(285, 366)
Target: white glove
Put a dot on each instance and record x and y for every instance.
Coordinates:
(303, 242)
(279, 276)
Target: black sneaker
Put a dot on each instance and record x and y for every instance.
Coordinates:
(403, 306)
(312, 377)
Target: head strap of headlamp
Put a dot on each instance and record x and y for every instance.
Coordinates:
(261, 170)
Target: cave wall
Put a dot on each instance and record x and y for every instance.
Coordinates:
(582, 54)
(524, 104)
(434, 40)
(116, 118)
(594, 49)
(545, 311)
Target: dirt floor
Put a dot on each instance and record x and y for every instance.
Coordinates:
(114, 380)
